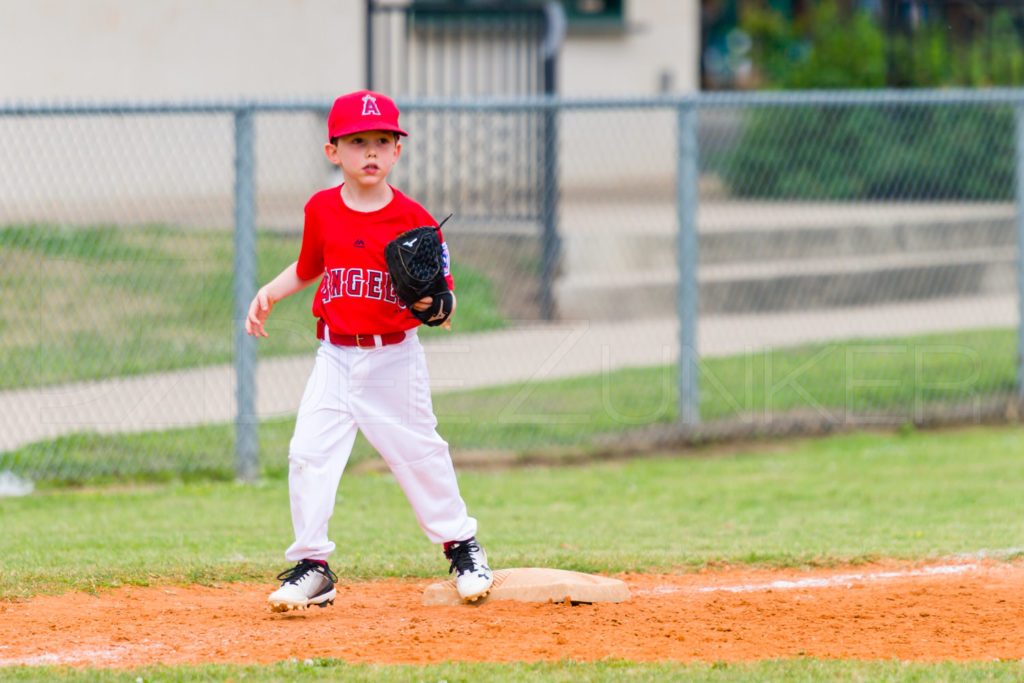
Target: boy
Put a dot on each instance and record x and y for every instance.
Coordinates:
(370, 372)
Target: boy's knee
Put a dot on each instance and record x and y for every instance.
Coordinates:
(300, 459)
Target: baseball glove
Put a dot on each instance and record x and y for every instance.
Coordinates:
(415, 261)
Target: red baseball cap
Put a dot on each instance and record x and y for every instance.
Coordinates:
(362, 110)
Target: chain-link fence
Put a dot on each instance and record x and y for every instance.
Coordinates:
(847, 259)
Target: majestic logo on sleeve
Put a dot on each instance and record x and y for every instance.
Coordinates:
(370, 106)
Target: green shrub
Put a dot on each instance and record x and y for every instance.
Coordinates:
(873, 152)
(826, 50)
(928, 58)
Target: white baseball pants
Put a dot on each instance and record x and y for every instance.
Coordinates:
(385, 393)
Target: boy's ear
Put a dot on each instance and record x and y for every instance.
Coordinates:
(331, 150)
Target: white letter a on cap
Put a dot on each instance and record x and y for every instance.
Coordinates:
(370, 106)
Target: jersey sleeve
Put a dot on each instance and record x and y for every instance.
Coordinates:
(311, 255)
(446, 263)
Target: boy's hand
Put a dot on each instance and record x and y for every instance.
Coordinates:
(424, 303)
(259, 309)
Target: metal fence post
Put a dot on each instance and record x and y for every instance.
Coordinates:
(1019, 111)
(686, 246)
(369, 44)
(551, 243)
(246, 440)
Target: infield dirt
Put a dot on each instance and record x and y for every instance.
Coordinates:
(954, 610)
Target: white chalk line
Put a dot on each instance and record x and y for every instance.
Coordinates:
(71, 657)
(839, 580)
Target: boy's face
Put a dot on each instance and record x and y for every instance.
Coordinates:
(365, 158)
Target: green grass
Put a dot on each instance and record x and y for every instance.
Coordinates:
(793, 671)
(106, 301)
(887, 382)
(848, 498)
(883, 382)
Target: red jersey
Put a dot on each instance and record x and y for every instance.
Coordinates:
(346, 247)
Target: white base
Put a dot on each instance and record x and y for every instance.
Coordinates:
(536, 584)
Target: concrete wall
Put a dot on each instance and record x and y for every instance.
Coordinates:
(179, 49)
(659, 46)
(657, 52)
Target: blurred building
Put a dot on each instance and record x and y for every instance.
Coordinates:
(215, 49)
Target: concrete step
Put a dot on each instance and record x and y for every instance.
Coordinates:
(761, 245)
(626, 251)
(799, 284)
(776, 256)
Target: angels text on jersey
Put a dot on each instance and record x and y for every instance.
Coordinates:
(357, 283)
